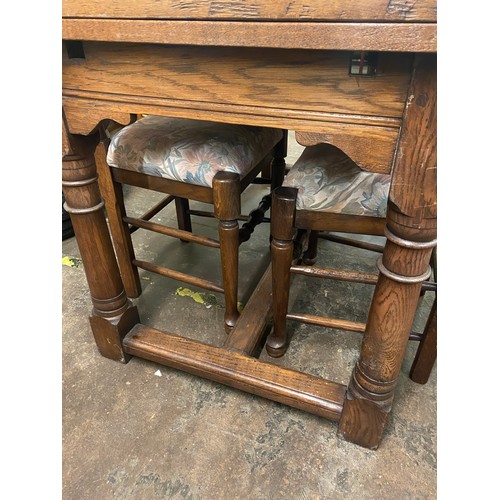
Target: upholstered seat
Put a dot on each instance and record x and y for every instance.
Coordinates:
(329, 181)
(190, 151)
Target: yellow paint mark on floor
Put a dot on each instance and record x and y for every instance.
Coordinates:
(72, 262)
(207, 299)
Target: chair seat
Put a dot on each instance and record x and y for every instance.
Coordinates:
(190, 151)
(329, 181)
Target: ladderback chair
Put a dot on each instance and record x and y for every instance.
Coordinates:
(188, 160)
(326, 192)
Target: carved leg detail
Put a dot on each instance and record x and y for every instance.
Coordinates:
(282, 231)
(371, 389)
(227, 208)
(112, 314)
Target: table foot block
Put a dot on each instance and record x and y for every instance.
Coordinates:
(299, 390)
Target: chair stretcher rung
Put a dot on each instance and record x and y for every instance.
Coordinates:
(351, 276)
(340, 324)
(177, 275)
(327, 322)
(158, 207)
(170, 231)
(365, 245)
(429, 286)
(154, 210)
(300, 390)
(204, 213)
(336, 274)
(201, 213)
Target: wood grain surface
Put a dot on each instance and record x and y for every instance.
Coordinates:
(371, 148)
(414, 182)
(250, 77)
(391, 10)
(300, 390)
(396, 37)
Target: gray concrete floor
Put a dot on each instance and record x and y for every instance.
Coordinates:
(144, 431)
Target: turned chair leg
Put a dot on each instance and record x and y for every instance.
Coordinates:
(282, 231)
(278, 163)
(310, 255)
(227, 208)
(183, 217)
(427, 350)
(112, 194)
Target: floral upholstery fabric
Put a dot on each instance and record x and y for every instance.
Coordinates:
(329, 181)
(190, 151)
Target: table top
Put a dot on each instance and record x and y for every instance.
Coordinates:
(394, 25)
(297, 10)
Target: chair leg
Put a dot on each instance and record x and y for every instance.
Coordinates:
(183, 217)
(310, 255)
(112, 194)
(427, 350)
(282, 231)
(278, 163)
(227, 208)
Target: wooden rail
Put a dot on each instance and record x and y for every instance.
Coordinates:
(299, 390)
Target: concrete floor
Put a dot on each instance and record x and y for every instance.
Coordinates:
(144, 431)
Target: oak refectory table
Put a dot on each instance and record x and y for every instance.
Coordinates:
(359, 74)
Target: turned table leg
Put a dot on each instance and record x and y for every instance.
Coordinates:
(403, 268)
(411, 233)
(113, 314)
